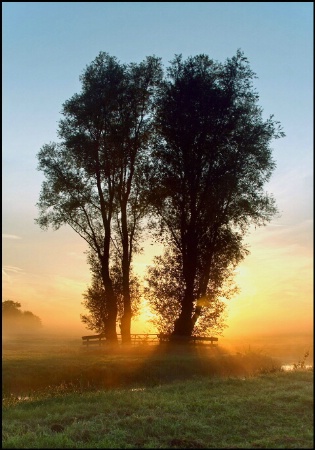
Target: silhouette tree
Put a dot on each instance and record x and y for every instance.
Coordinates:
(211, 161)
(95, 296)
(94, 176)
(11, 309)
(166, 288)
(13, 319)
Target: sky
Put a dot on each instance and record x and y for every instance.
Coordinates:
(46, 47)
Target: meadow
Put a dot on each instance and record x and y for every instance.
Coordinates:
(60, 394)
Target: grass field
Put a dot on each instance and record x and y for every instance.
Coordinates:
(62, 395)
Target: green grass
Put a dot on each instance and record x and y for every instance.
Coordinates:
(65, 396)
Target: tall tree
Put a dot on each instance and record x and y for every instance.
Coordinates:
(211, 160)
(131, 138)
(93, 176)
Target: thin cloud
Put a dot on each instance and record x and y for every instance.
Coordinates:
(12, 269)
(8, 272)
(5, 276)
(10, 236)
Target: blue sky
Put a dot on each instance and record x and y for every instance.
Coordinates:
(47, 45)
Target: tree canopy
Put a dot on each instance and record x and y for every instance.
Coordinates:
(212, 157)
(188, 148)
(95, 176)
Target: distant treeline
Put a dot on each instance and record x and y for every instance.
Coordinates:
(14, 320)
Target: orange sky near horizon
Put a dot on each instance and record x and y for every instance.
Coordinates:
(275, 281)
(46, 46)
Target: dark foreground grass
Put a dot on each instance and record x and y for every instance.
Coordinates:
(158, 399)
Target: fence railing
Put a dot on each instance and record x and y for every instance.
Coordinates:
(148, 338)
(138, 338)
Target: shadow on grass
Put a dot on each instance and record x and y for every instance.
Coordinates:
(172, 362)
(134, 367)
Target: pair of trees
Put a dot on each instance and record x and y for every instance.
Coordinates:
(190, 150)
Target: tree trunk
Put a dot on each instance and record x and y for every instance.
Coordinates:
(196, 315)
(126, 257)
(111, 303)
(110, 328)
(126, 318)
(183, 325)
(126, 328)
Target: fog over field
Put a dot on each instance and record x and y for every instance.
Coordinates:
(286, 348)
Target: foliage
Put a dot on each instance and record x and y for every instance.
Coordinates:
(95, 296)
(192, 149)
(165, 289)
(13, 319)
(211, 160)
(95, 176)
(301, 363)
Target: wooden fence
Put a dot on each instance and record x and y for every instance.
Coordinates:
(147, 338)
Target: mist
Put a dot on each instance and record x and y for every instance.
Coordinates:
(287, 348)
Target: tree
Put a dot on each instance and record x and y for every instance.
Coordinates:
(31, 321)
(131, 140)
(95, 296)
(14, 319)
(211, 161)
(94, 176)
(166, 288)
(11, 309)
